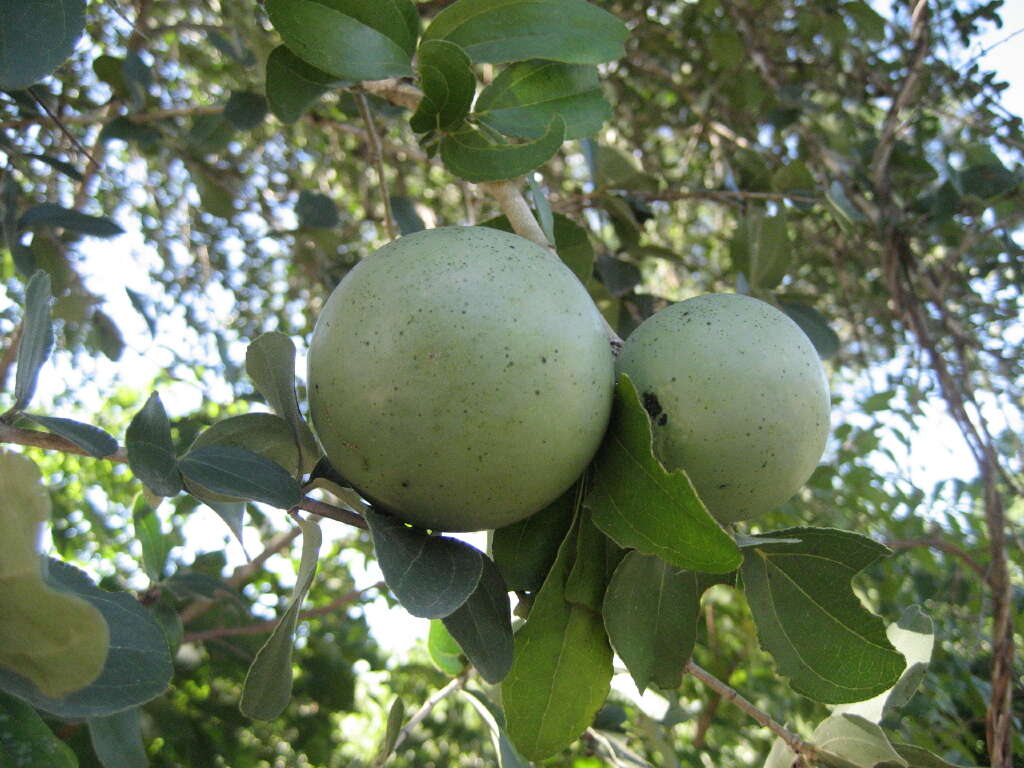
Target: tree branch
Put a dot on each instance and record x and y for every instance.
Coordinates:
(428, 706)
(377, 158)
(943, 546)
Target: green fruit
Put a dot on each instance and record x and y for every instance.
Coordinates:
(737, 398)
(460, 378)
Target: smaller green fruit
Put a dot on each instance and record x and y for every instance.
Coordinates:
(737, 398)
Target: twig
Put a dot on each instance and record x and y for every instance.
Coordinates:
(377, 158)
(36, 439)
(428, 706)
(396, 91)
(262, 627)
(332, 512)
(942, 545)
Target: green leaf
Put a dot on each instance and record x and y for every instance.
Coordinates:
(571, 243)
(268, 684)
(293, 86)
(498, 31)
(245, 109)
(53, 215)
(793, 177)
(761, 249)
(508, 756)
(482, 625)
(36, 37)
(589, 574)
(316, 211)
(232, 513)
(913, 636)
(90, 439)
(524, 97)
(542, 207)
(988, 179)
(233, 471)
(857, 740)
(650, 612)
(350, 39)
(470, 155)
(618, 170)
(917, 757)
(150, 449)
(265, 434)
(56, 641)
(815, 325)
(123, 129)
(396, 714)
(404, 211)
(215, 196)
(561, 670)
(448, 84)
(138, 664)
(823, 639)
(270, 363)
(156, 547)
(209, 134)
(117, 739)
(36, 338)
(430, 575)
(642, 506)
(443, 649)
(57, 164)
(107, 335)
(524, 551)
(26, 741)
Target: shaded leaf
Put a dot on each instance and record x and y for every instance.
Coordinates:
(448, 84)
(156, 547)
(542, 207)
(117, 739)
(268, 684)
(404, 211)
(57, 164)
(562, 667)
(91, 439)
(618, 170)
(470, 155)
(498, 31)
(53, 215)
(36, 338)
(589, 574)
(571, 243)
(482, 625)
(138, 664)
(524, 98)
(641, 505)
(857, 740)
(293, 86)
(349, 39)
(26, 741)
(396, 714)
(430, 575)
(316, 211)
(917, 757)
(36, 37)
(807, 616)
(815, 325)
(508, 756)
(761, 249)
(650, 612)
(245, 109)
(234, 471)
(524, 551)
(150, 449)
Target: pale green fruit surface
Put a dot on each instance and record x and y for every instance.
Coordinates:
(460, 378)
(737, 396)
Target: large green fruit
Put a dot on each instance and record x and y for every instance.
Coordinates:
(460, 378)
(737, 398)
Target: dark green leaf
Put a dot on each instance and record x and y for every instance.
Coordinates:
(430, 575)
(542, 206)
(482, 625)
(36, 37)
(270, 363)
(265, 434)
(523, 98)
(138, 665)
(36, 338)
(394, 727)
(589, 574)
(293, 85)
(815, 325)
(448, 84)
(53, 215)
(524, 551)
(234, 471)
(571, 242)
(142, 306)
(58, 165)
(508, 756)
(917, 757)
(650, 612)
(26, 741)
(107, 335)
(215, 194)
(350, 39)
(497, 31)
(90, 439)
(404, 211)
(245, 109)
(123, 129)
(618, 170)
(642, 506)
(268, 684)
(210, 134)
(761, 249)
(156, 547)
(987, 180)
(443, 649)
(191, 584)
(150, 449)
(793, 177)
(832, 649)
(561, 670)
(316, 211)
(232, 513)
(117, 739)
(470, 155)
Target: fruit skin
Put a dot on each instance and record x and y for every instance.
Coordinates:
(460, 378)
(737, 397)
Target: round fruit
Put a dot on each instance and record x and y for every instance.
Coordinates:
(737, 398)
(460, 378)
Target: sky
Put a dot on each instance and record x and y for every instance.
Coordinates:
(937, 452)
